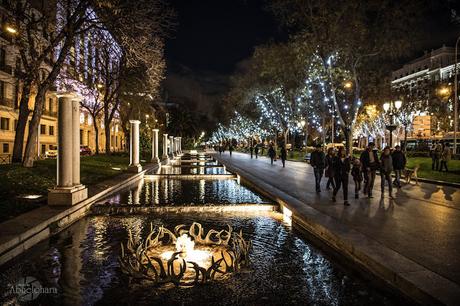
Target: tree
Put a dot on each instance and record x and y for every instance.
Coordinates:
(72, 18)
(348, 37)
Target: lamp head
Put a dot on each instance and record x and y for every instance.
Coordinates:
(386, 106)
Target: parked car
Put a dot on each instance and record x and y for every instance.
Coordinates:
(52, 152)
(85, 150)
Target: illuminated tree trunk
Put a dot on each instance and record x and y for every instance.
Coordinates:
(23, 117)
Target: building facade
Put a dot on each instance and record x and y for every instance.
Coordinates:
(10, 93)
(428, 83)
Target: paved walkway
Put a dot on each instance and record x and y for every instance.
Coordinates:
(421, 223)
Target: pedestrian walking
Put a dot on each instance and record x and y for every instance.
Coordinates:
(256, 150)
(341, 165)
(445, 157)
(370, 163)
(317, 161)
(220, 150)
(329, 172)
(437, 151)
(230, 149)
(357, 174)
(271, 153)
(283, 155)
(251, 149)
(386, 167)
(399, 164)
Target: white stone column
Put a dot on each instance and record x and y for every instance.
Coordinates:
(76, 141)
(155, 157)
(171, 146)
(65, 141)
(180, 145)
(68, 190)
(165, 147)
(134, 165)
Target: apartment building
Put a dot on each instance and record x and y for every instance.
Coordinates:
(422, 79)
(10, 93)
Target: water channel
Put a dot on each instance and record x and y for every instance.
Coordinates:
(285, 268)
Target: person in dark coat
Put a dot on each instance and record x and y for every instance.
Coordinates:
(251, 149)
(357, 175)
(271, 153)
(341, 164)
(283, 154)
(317, 161)
(230, 149)
(386, 167)
(256, 150)
(369, 163)
(399, 164)
(329, 172)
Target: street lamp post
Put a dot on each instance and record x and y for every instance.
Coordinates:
(391, 108)
(303, 124)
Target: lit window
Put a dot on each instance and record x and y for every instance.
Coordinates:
(90, 120)
(82, 118)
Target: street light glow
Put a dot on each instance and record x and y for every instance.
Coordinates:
(398, 104)
(386, 106)
(348, 84)
(10, 29)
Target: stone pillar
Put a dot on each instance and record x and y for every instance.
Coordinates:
(76, 141)
(171, 146)
(165, 147)
(180, 145)
(134, 165)
(155, 157)
(68, 190)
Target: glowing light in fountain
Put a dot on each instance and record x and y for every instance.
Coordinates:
(186, 246)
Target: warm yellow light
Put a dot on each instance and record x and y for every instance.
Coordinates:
(444, 91)
(11, 30)
(398, 104)
(100, 85)
(348, 84)
(303, 122)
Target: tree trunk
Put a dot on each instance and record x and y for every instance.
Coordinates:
(23, 117)
(96, 131)
(405, 139)
(348, 133)
(29, 154)
(107, 138)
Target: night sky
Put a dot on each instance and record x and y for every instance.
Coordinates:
(214, 35)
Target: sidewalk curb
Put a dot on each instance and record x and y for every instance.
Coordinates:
(408, 277)
(58, 219)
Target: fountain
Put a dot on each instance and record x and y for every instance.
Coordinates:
(167, 257)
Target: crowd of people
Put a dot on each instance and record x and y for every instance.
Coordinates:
(440, 154)
(336, 166)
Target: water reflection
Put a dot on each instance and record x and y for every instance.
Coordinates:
(186, 192)
(284, 270)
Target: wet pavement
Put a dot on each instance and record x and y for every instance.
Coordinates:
(422, 223)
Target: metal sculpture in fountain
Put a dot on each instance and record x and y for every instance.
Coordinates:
(173, 257)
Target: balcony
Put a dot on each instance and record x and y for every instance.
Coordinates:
(50, 113)
(7, 102)
(6, 68)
